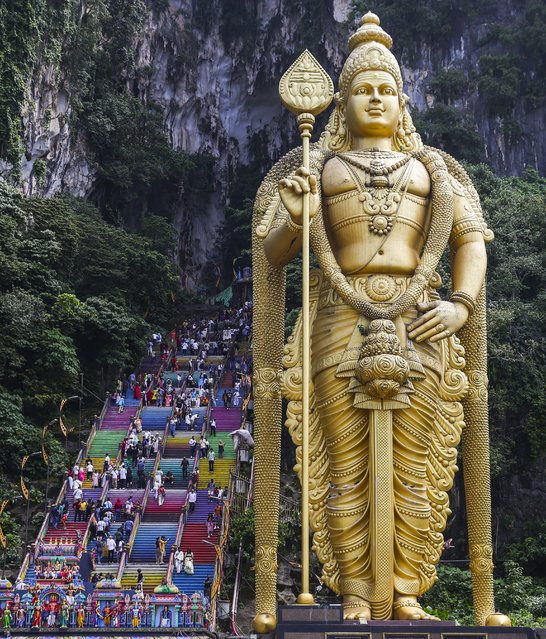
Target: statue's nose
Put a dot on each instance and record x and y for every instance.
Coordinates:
(375, 95)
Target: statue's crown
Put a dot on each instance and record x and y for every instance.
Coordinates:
(369, 49)
(370, 31)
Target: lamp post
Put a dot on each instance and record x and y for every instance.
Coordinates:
(63, 427)
(26, 493)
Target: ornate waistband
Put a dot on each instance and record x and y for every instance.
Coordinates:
(376, 288)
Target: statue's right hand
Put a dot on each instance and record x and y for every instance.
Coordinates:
(292, 189)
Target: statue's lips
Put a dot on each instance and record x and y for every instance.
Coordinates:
(375, 111)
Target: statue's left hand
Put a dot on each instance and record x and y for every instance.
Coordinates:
(439, 320)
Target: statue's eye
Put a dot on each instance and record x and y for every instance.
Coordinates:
(362, 91)
(388, 91)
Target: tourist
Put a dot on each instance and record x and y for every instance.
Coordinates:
(193, 444)
(192, 499)
(207, 587)
(210, 457)
(188, 562)
(123, 477)
(111, 545)
(161, 496)
(178, 560)
(210, 489)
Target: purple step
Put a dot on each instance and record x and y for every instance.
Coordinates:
(202, 508)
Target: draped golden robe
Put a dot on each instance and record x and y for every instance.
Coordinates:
(424, 440)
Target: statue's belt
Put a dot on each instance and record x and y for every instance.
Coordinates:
(381, 290)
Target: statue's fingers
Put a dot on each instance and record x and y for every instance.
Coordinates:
(422, 320)
(303, 183)
(442, 335)
(295, 187)
(303, 172)
(423, 307)
(438, 329)
(313, 183)
(424, 327)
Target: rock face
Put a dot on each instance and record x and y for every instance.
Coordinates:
(213, 68)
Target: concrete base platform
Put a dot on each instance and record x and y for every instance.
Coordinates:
(326, 622)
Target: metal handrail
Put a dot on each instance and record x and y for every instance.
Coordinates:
(237, 582)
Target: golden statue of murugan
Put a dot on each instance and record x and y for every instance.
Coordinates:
(394, 369)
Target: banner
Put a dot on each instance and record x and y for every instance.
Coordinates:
(3, 540)
(23, 485)
(44, 454)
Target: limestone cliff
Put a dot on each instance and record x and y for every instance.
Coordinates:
(212, 67)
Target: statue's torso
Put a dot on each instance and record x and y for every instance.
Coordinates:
(358, 249)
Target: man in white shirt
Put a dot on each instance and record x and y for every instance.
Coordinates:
(114, 478)
(192, 499)
(111, 545)
(194, 419)
(123, 477)
(101, 525)
(192, 443)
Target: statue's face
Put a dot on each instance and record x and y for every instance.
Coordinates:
(373, 107)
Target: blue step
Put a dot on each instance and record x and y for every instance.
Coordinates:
(189, 584)
(155, 418)
(144, 545)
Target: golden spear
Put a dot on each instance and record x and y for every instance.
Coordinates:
(306, 90)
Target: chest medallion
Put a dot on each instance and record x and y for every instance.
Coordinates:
(379, 196)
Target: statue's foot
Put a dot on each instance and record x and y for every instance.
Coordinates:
(408, 609)
(356, 608)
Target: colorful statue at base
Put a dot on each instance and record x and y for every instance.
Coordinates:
(107, 615)
(21, 615)
(65, 615)
(37, 616)
(6, 618)
(396, 371)
(80, 616)
(136, 614)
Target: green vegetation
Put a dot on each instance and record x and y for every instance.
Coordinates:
(515, 594)
(76, 295)
(422, 21)
(448, 128)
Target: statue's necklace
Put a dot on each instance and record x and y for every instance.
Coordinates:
(377, 169)
(380, 199)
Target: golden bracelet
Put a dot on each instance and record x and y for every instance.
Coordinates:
(465, 299)
(295, 228)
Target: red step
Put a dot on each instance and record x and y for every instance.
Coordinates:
(70, 532)
(195, 537)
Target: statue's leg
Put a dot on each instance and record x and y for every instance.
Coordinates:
(412, 440)
(346, 434)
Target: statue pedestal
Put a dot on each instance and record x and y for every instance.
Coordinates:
(317, 622)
